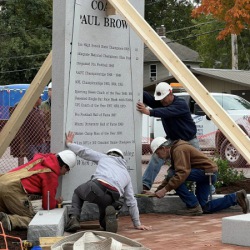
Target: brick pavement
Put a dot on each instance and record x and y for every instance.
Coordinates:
(178, 232)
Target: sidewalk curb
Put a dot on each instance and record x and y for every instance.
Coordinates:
(168, 204)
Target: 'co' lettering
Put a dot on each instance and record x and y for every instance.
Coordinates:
(98, 5)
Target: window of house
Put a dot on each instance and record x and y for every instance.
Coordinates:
(153, 72)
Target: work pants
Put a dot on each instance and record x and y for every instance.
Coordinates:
(15, 203)
(93, 193)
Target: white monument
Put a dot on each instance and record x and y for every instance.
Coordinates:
(97, 80)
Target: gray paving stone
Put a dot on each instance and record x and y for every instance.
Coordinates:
(168, 204)
(235, 230)
(47, 223)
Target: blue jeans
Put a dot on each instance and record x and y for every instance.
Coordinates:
(202, 193)
(155, 165)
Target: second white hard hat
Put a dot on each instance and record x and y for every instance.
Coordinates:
(158, 142)
(50, 85)
(68, 157)
(162, 90)
(116, 150)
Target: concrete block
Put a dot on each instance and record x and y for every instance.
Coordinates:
(47, 223)
(168, 204)
(235, 230)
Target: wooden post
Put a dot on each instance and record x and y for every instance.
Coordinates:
(179, 70)
(234, 46)
(25, 105)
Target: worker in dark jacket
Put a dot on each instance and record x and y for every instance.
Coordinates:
(190, 164)
(176, 120)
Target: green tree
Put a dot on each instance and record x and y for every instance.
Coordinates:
(217, 53)
(213, 53)
(174, 15)
(234, 13)
(25, 39)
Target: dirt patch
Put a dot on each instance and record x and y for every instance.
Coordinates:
(12, 243)
(244, 184)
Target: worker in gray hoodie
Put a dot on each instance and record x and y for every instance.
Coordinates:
(110, 181)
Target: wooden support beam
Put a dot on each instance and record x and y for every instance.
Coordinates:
(26, 104)
(47, 242)
(179, 70)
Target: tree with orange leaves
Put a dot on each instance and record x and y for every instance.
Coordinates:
(235, 14)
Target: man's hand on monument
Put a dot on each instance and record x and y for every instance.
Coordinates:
(69, 137)
(59, 200)
(142, 108)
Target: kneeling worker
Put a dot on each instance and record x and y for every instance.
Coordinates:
(190, 164)
(37, 177)
(110, 181)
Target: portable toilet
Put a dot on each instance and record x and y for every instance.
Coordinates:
(11, 94)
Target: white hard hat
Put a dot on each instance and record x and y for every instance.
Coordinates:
(50, 85)
(158, 142)
(68, 157)
(162, 90)
(115, 150)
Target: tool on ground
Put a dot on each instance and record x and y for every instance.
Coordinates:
(48, 200)
(210, 184)
(145, 195)
(27, 244)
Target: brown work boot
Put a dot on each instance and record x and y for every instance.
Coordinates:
(73, 224)
(4, 218)
(241, 199)
(194, 211)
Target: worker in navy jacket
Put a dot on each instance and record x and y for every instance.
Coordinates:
(176, 120)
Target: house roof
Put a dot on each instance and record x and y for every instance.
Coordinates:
(184, 53)
(241, 77)
(230, 75)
